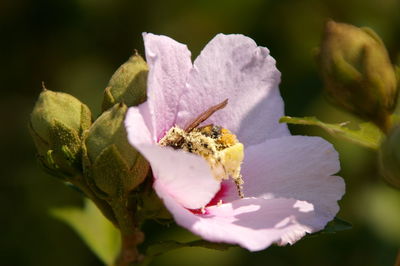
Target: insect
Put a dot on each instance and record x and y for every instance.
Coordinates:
(217, 145)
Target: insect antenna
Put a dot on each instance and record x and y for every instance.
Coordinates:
(198, 120)
(205, 115)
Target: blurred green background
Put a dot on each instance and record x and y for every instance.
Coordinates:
(75, 45)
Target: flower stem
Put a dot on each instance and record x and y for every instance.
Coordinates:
(129, 254)
(118, 212)
(131, 236)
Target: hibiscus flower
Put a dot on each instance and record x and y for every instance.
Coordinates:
(289, 188)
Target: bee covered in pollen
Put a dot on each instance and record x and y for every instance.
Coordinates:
(217, 145)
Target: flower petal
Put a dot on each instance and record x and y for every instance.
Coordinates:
(169, 64)
(186, 176)
(253, 223)
(233, 67)
(296, 167)
(138, 125)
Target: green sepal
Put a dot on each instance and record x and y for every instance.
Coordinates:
(344, 72)
(367, 135)
(68, 153)
(47, 164)
(110, 171)
(86, 120)
(109, 129)
(88, 175)
(108, 99)
(128, 84)
(59, 106)
(138, 173)
(46, 158)
(107, 150)
(148, 204)
(41, 144)
(66, 145)
(153, 208)
(373, 34)
(50, 160)
(112, 174)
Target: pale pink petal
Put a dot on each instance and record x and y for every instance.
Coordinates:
(186, 176)
(297, 167)
(138, 125)
(253, 223)
(233, 67)
(169, 64)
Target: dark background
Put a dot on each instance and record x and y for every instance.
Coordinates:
(75, 45)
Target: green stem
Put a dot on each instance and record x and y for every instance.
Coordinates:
(129, 254)
(131, 236)
(117, 211)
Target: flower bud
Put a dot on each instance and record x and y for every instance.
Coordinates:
(357, 72)
(113, 164)
(389, 158)
(128, 84)
(58, 122)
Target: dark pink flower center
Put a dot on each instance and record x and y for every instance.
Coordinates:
(222, 192)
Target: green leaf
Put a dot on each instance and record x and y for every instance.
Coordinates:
(166, 246)
(95, 230)
(336, 225)
(367, 134)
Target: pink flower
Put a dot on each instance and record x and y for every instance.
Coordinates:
(288, 184)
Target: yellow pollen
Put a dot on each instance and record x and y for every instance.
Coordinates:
(221, 149)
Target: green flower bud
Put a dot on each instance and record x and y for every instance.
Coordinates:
(357, 72)
(113, 164)
(128, 84)
(57, 125)
(389, 158)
